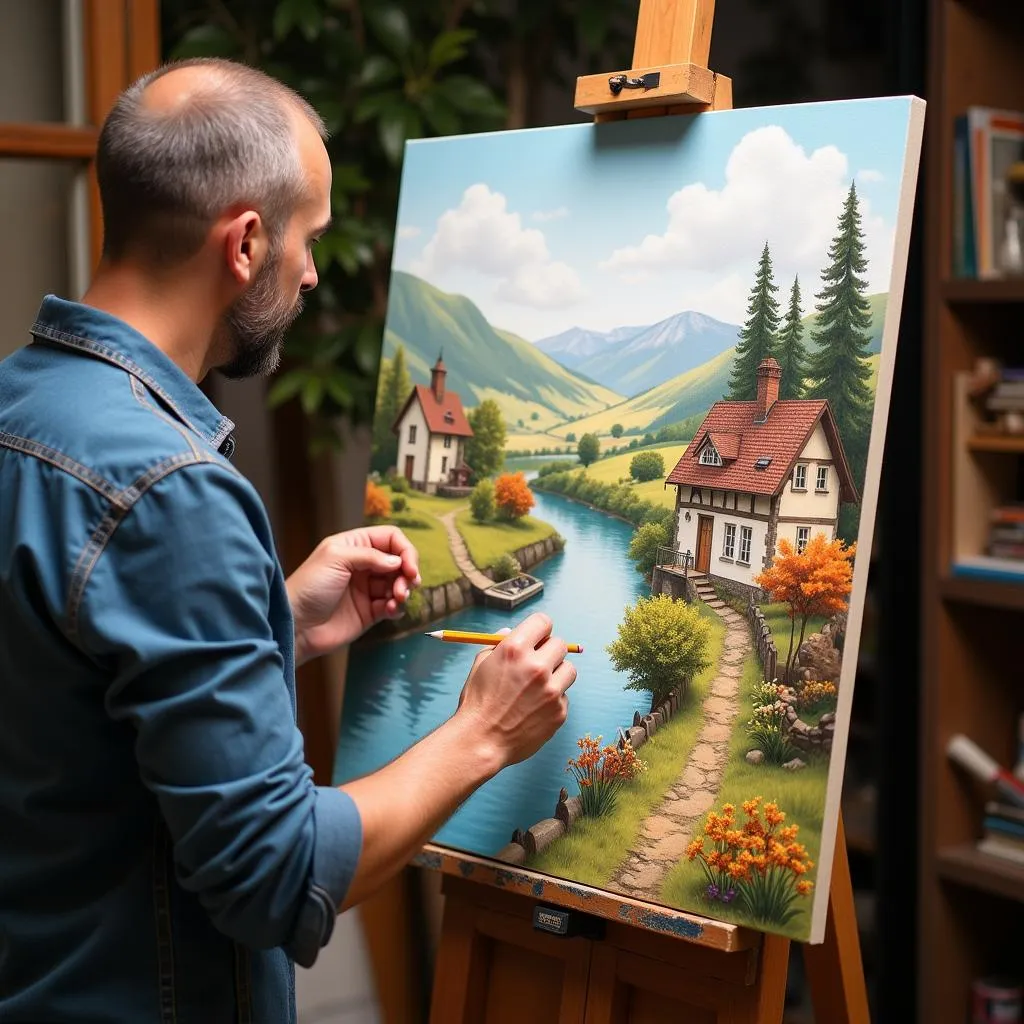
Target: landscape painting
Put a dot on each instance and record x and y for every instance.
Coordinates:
(637, 375)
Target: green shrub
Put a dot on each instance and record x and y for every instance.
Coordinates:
(481, 501)
(647, 466)
(505, 568)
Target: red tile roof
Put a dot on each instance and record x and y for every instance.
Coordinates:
(444, 417)
(741, 442)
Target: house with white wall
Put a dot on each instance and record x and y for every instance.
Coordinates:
(432, 430)
(754, 473)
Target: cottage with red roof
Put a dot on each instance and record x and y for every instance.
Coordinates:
(754, 473)
(432, 429)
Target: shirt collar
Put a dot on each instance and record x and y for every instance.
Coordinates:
(93, 332)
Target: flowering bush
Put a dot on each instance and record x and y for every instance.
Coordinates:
(766, 727)
(601, 772)
(815, 695)
(377, 505)
(512, 496)
(761, 864)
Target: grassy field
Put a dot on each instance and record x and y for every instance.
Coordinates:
(592, 851)
(779, 622)
(487, 542)
(420, 523)
(800, 796)
(611, 469)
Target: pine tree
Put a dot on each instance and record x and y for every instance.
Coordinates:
(757, 338)
(839, 367)
(791, 354)
(392, 390)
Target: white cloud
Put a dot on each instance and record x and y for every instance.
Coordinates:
(774, 191)
(483, 235)
(546, 215)
(409, 231)
(868, 174)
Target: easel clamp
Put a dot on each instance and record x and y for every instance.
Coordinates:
(568, 923)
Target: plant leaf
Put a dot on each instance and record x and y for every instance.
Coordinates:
(390, 24)
(286, 386)
(439, 114)
(205, 41)
(449, 47)
(394, 128)
(378, 70)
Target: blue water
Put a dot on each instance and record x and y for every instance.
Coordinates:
(398, 691)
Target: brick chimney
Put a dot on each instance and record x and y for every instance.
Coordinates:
(437, 376)
(769, 373)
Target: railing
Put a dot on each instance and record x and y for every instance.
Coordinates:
(767, 653)
(670, 558)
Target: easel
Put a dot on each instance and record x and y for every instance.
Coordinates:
(522, 946)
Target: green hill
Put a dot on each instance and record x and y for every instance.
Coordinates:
(483, 362)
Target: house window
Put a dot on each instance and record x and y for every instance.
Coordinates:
(729, 541)
(447, 440)
(710, 457)
(412, 434)
(803, 535)
(821, 484)
(800, 478)
(746, 535)
(444, 465)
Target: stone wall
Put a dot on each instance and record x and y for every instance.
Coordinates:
(533, 554)
(677, 587)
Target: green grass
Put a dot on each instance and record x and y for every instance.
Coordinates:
(487, 542)
(777, 617)
(592, 851)
(611, 469)
(800, 796)
(420, 523)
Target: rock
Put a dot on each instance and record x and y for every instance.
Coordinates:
(829, 718)
(818, 658)
(795, 765)
(567, 811)
(512, 854)
(453, 594)
(649, 725)
(437, 601)
(637, 736)
(755, 757)
(543, 834)
(636, 718)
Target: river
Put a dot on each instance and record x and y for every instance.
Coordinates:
(400, 690)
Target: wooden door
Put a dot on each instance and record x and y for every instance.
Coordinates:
(409, 460)
(705, 525)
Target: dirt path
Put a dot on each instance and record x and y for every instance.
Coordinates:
(461, 554)
(667, 831)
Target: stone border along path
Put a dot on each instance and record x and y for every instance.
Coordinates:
(667, 831)
(461, 553)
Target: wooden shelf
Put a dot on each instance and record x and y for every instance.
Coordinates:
(968, 290)
(965, 865)
(1013, 443)
(990, 593)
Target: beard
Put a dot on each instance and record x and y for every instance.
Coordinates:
(254, 327)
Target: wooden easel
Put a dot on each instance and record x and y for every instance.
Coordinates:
(501, 956)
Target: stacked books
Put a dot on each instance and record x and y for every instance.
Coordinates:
(1003, 831)
(987, 188)
(1006, 532)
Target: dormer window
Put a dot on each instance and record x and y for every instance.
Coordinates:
(709, 456)
(448, 416)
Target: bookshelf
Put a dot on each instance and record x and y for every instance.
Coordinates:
(969, 904)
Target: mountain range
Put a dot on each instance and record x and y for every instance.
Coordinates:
(580, 380)
(635, 359)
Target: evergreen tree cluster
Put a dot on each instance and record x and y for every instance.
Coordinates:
(836, 367)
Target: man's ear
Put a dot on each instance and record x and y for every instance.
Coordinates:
(245, 246)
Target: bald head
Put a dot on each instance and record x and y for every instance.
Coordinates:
(189, 142)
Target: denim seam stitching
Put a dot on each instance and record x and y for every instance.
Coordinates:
(42, 330)
(122, 505)
(161, 894)
(139, 391)
(60, 461)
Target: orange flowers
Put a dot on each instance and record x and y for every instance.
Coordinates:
(377, 504)
(760, 862)
(601, 771)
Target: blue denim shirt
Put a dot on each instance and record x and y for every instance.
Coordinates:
(164, 853)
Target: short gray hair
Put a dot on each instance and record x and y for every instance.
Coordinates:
(165, 176)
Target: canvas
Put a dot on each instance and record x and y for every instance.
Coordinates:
(637, 375)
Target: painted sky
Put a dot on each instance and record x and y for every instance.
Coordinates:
(630, 222)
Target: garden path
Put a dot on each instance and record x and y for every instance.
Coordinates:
(667, 831)
(461, 553)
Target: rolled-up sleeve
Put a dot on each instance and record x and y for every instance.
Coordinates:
(180, 599)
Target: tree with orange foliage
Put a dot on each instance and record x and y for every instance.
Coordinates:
(377, 504)
(814, 582)
(512, 495)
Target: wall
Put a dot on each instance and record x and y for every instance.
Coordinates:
(687, 540)
(437, 456)
(419, 449)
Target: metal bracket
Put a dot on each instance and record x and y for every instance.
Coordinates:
(649, 81)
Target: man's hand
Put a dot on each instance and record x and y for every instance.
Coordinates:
(516, 691)
(349, 583)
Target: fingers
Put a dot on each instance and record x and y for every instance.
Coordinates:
(533, 630)
(564, 676)
(392, 540)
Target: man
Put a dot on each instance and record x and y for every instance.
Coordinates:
(164, 854)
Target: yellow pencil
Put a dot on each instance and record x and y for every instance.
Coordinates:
(456, 636)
